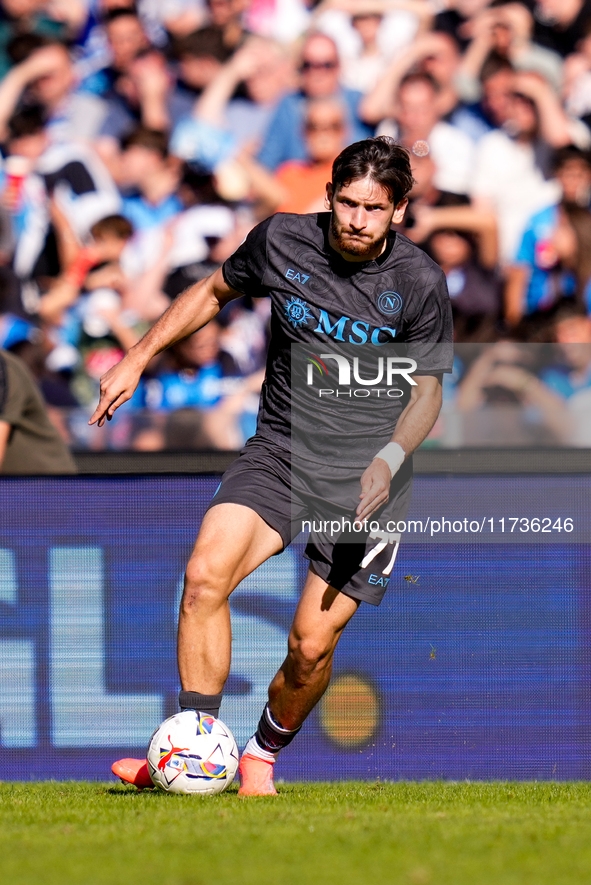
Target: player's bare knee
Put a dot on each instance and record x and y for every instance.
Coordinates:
(308, 655)
(204, 588)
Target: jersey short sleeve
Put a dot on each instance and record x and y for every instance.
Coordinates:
(245, 269)
(429, 332)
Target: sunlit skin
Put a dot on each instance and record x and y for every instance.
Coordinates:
(362, 213)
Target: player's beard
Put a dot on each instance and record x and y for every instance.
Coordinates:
(354, 244)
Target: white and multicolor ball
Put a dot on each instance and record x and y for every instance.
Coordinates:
(192, 753)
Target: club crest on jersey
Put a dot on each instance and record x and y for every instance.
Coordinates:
(297, 312)
(389, 303)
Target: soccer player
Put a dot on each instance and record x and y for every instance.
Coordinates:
(338, 421)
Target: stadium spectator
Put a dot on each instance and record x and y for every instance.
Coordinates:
(10, 295)
(233, 113)
(300, 185)
(304, 183)
(438, 56)
(226, 16)
(29, 443)
(177, 97)
(572, 379)
(242, 96)
(135, 86)
(199, 374)
(457, 17)
(83, 310)
(560, 24)
(505, 29)
(69, 172)
(417, 123)
(61, 21)
(147, 168)
(319, 78)
(555, 399)
(367, 37)
(553, 260)
(355, 27)
(512, 170)
(94, 267)
(199, 57)
(504, 402)
(496, 90)
(45, 75)
(576, 83)
(463, 241)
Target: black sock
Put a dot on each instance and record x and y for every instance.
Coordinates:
(204, 703)
(270, 735)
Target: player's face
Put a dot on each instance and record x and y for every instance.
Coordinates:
(362, 213)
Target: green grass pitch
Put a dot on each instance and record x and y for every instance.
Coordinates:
(331, 834)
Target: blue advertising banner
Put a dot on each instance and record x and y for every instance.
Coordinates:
(476, 665)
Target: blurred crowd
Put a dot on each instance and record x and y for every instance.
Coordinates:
(141, 141)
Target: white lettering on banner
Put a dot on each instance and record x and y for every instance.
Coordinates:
(17, 672)
(8, 586)
(84, 714)
(258, 648)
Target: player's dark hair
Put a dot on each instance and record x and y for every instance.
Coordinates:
(382, 159)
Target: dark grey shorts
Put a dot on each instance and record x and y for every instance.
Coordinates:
(291, 498)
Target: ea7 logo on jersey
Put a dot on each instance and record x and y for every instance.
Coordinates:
(297, 276)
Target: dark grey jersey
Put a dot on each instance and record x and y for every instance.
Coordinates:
(343, 334)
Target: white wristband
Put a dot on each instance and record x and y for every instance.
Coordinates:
(393, 454)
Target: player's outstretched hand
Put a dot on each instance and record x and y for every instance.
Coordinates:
(117, 386)
(375, 488)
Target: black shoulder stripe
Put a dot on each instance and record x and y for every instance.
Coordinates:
(3, 383)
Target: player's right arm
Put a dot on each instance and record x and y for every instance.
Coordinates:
(188, 313)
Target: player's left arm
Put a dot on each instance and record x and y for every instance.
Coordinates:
(412, 427)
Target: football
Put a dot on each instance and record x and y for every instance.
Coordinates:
(192, 752)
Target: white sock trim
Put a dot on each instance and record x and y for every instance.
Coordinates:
(253, 749)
